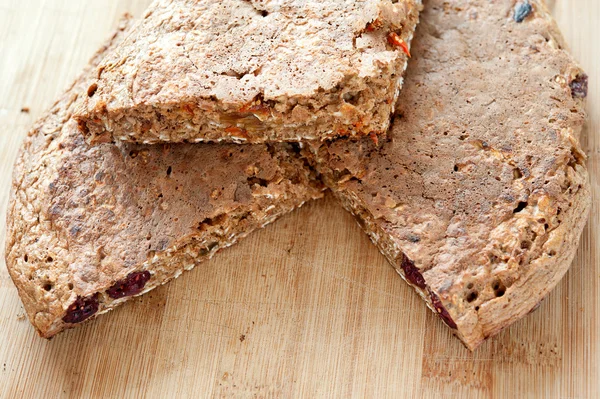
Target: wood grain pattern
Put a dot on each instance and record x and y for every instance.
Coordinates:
(306, 307)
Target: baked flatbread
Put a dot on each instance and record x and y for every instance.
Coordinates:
(252, 71)
(480, 192)
(90, 227)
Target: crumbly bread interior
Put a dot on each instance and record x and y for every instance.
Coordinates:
(252, 71)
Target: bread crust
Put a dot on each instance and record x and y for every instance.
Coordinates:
(480, 193)
(91, 227)
(252, 71)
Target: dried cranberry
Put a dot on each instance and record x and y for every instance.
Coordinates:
(81, 309)
(131, 285)
(522, 11)
(441, 310)
(579, 86)
(412, 273)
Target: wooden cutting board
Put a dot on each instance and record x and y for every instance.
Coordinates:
(305, 308)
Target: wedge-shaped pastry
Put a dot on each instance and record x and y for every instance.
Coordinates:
(252, 71)
(480, 193)
(90, 227)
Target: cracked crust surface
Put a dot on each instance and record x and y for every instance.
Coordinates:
(252, 71)
(480, 192)
(90, 226)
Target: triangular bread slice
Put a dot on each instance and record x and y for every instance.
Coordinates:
(252, 71)
(480, 193)
(90, 227)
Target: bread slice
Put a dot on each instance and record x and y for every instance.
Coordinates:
(480, 193)
(90, 227)
(250, 71)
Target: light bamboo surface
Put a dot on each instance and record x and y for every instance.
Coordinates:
(305, 308)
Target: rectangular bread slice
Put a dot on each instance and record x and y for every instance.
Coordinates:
(90, 227)
(250, 71)
(480, 192)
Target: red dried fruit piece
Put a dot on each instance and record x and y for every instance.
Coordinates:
(374, 137)
(257, 107)
(579, 86)
(441, 310)
(81, 309)
(395, 40)
(236, 131)
(371, 26)
(131, 285)
(412, 273)
(189, 108)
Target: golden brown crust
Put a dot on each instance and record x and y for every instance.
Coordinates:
(252, 71)
(480, 193)
(87, 224)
